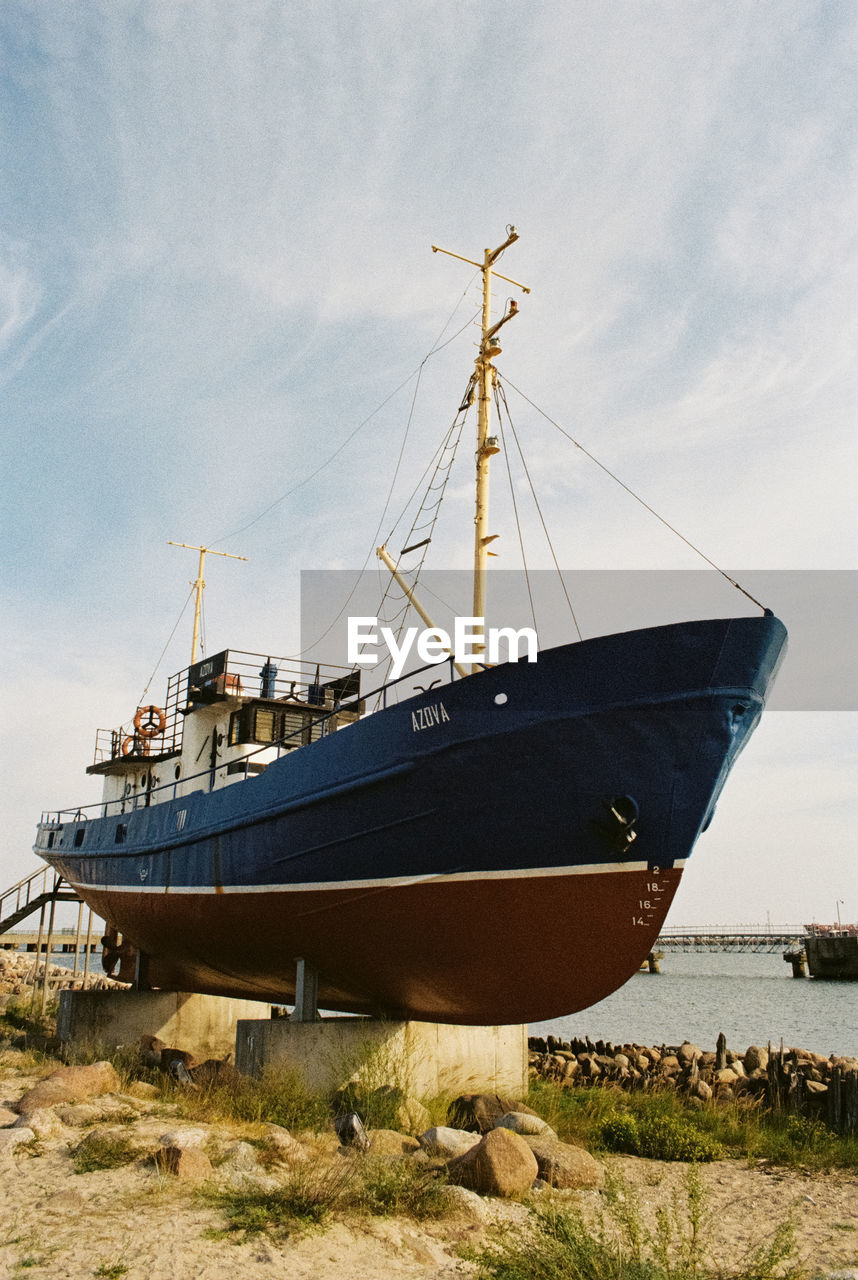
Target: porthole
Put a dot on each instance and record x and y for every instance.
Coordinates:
(177, 772)
(500, 699)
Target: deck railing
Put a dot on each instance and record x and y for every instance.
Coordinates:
(172, 790)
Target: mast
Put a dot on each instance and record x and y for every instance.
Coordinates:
(487, 445)
(199, 586)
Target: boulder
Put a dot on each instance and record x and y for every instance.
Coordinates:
(387, 1142)
(236, 1159)
(11, 1138)
(143, 1091)
(44, 1123)
(563, 1166)
(464, 1203)
(184, 1162)
(183, 1139)
(150, 1050)
(501, 1164)
(701, 1090)
(214, 1071)
(446, 1142)
(479, 1111)
(70, 1084)
(525, 1124)
(756, 1058)
(688, 1053)
(77, 1114)
(285, 1147)
(181, 1056)
(7, 1117)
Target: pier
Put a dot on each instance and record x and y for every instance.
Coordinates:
(735, 937)
(62, 940)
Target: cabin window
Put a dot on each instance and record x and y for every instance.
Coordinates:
(121, 832)
(181, 818)
(272, 724)
(51, 835)
(78, 837)
(266, 726)
(245, 766)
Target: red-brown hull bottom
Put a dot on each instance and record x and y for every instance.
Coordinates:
(479, 951)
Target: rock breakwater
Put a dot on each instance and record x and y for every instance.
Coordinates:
(782, 1079)
(22, 973)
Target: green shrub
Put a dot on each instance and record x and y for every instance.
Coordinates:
(302, 1202)
(392, 1186)
(102, 1151)
(557, 1244)
(279, 1096)
(658, 1137)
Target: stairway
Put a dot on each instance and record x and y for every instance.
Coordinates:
(30, 894)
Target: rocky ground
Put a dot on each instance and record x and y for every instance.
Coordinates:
(146, 1222)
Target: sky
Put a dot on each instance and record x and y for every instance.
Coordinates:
(218, 302)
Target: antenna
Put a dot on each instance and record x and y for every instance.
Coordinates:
(199, 586)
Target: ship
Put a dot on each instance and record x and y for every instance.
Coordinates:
(491, 844)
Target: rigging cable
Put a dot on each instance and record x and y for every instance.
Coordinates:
(437, 346)
(434, 351)
(539, 510)
(515, 509)
(443, 459)
(141, 699)
(639, 499)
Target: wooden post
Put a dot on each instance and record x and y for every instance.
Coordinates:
(48, 948)
(38, 955)
(77, 941)
(88, 948)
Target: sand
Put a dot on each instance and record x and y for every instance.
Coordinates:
(67, 1226)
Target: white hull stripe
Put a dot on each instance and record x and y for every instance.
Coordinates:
(393, 882)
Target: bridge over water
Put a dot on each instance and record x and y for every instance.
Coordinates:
(731, 937)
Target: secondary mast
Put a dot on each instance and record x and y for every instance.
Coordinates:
(199, 586)
(487, 445)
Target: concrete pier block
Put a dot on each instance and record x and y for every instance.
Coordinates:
(422, 1058)
(104, 1020)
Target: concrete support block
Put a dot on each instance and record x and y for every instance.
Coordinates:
(422, 1058)
(104, 1020)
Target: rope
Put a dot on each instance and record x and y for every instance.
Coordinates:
(539, 510)
(438, 346)
(515, 511)
(639, 499)
(142, 698)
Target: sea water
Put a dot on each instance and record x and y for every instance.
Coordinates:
(752, 998)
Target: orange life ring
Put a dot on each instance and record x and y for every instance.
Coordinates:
(150, 722)
(134, 746)
(128, 746)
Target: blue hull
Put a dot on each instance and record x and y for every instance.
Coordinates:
(554, 793)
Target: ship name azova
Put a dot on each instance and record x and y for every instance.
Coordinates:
(428, 717)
